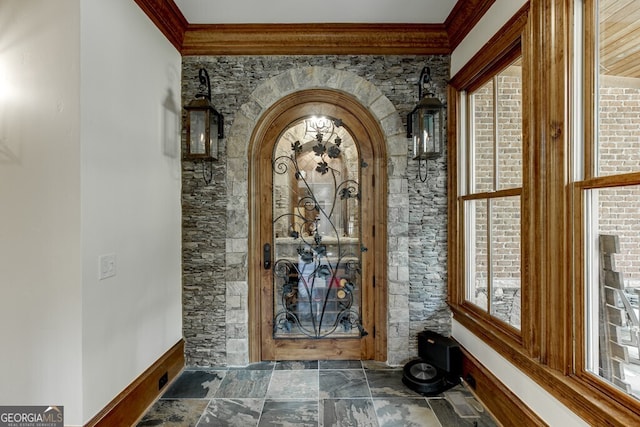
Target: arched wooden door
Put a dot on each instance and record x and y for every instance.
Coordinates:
(317, 230)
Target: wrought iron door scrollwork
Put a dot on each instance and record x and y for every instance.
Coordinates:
(317, 288)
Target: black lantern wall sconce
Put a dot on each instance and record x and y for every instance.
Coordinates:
(204, 126)
(425, 125)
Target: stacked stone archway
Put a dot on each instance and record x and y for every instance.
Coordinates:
(238, 141)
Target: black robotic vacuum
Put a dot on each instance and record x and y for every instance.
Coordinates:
(423, 377)
(437, 369)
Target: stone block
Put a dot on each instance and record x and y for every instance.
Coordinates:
(235, 259)
(237, 359)
(237, 169)
(237, 245)
(234, 302)
(398, 315)
(397, 166)
(398, 288)
(402, 274)
(383, 108)
(392, 273)
(367, 93)
(237, 288)
(283, 85)
(237, 346)
(266, 94)
(392, 125)
(398, 144)
(237, 316)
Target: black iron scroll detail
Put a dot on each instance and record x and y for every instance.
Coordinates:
(317, 292)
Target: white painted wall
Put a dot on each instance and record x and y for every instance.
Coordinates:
(534, 396)
(130, 197)
(40, 289)
(85, 169)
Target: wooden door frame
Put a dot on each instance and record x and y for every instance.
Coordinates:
(267, 125)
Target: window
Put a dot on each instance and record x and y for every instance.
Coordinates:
(544, 204)
(491, 196)
(609, 199)
(489, 211)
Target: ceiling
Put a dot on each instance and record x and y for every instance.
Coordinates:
(619, 35)
(309, 11)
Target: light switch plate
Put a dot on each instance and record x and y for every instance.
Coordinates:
(106, 266)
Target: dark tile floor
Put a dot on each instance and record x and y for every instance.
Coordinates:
(318, 393)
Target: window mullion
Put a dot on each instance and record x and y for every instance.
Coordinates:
(489, 259)
(490, 246)
(496, 133)
(470, 146)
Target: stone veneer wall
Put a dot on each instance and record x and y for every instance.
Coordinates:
(215, 216)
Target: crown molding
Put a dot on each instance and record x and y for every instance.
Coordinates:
(315, 39)
(166, 15)
(463, 17)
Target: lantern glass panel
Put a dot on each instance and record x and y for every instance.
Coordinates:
(198, 132)
(427, 134)
(438, 126)
(213, 135)
(416, 134)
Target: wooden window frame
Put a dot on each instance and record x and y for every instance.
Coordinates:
(497, 55)
(592, 181)
(552, 259)
(479, 315)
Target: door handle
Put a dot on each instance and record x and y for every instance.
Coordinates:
(266, 256)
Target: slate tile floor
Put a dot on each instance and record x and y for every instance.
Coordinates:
(317, 394)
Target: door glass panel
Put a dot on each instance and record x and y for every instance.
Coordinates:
(316, 233)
